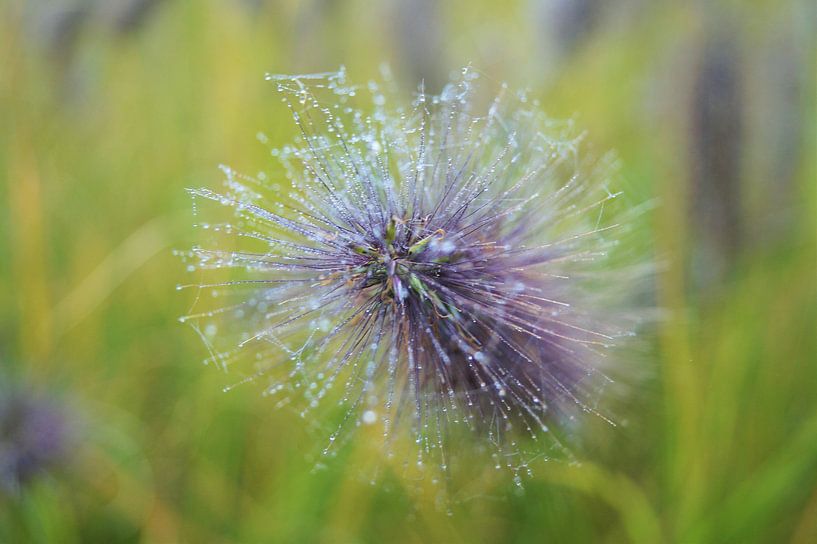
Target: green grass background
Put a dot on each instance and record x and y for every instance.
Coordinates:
(103, 128)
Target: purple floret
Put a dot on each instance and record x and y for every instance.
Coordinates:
(425, 265)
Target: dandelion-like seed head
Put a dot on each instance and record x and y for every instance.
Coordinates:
(435, 267)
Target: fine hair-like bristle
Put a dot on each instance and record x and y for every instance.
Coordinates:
(431, 267)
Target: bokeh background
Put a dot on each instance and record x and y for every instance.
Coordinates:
(110, 108)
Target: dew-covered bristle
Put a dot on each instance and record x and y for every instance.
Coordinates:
(431, 268)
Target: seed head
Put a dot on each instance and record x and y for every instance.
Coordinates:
(34, 436)
(438, 266)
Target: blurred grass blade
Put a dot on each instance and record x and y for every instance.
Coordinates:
(142, 245)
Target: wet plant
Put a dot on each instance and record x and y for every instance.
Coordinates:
(442, 266)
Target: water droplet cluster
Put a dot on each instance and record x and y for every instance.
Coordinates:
(430, 266)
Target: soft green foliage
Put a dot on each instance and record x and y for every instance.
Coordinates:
(101, 133)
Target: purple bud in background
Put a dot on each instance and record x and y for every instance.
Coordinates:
(716, 141)
(775, 153)
(566, 24)
(127, 16)
(418, 40)
(34, 436)
(434, 265)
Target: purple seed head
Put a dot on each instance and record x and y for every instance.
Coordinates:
(33, 437)
(434, 267)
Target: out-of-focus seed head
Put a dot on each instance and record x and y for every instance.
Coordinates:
(34, 436)
(436, 267)
(716, 152)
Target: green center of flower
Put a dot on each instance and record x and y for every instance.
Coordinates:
(403, 264)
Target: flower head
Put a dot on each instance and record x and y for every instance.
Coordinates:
(33, 437)
(431, 266)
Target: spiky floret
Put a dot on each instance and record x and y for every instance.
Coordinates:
(431, 264)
